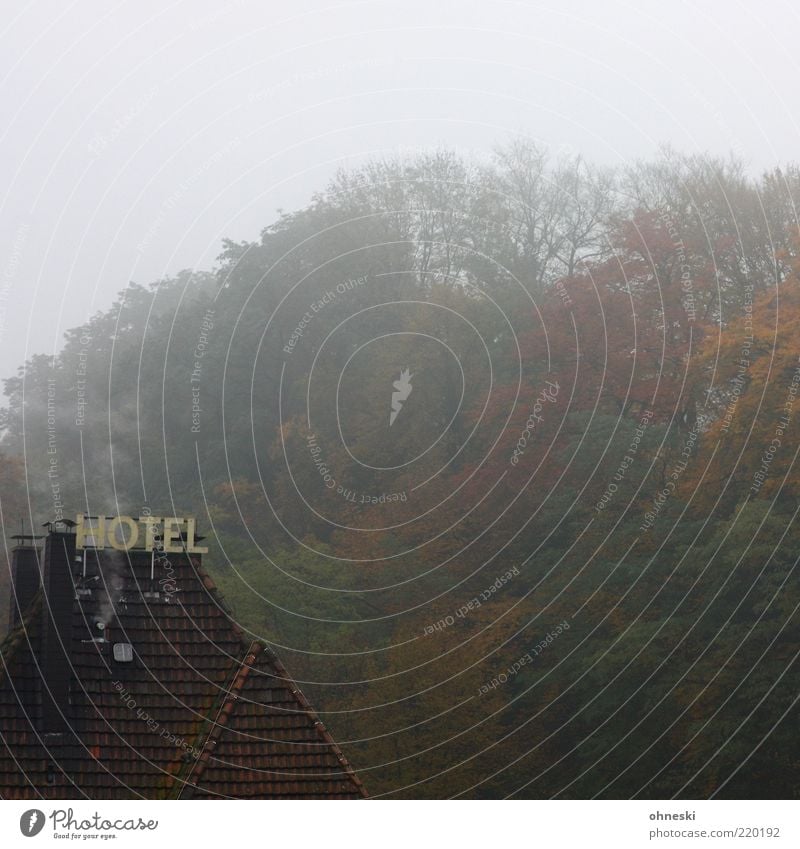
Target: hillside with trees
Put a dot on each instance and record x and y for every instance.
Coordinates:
(559, 560)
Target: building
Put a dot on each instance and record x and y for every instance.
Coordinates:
(124, 675)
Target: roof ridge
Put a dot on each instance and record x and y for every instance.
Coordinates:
(220, 721)
(319, 725)
(219, 598)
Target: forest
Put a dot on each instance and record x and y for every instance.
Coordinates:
(498, 455)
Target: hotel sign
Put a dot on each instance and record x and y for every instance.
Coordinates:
(171, 534)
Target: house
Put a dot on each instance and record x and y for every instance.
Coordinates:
(124, 675)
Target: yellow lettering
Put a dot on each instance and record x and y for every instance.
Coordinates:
(191, 546)
(123, 533)
(123, 544)
(149, 523)
(171, 534)
(94, 534)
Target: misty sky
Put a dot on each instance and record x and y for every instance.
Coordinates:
(135, 136)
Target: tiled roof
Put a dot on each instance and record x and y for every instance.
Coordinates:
(200, 712)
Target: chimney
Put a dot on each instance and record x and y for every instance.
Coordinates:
(24, 577)
(54, 658)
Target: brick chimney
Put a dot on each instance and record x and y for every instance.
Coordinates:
(25, 579)
(56, 642)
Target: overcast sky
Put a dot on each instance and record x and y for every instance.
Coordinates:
(135, 136)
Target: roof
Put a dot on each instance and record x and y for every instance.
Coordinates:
(201, 711)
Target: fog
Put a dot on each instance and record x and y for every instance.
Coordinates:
(138, 135)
